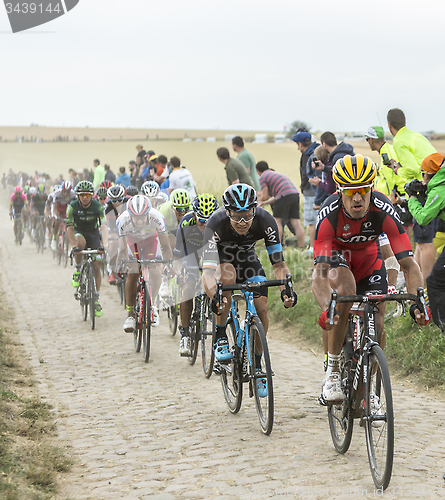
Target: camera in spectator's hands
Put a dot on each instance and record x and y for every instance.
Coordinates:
(415, 188)
(385, 159)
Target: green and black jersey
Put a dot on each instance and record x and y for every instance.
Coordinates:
(85, 219)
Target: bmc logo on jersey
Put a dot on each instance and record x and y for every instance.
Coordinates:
(358, 238)
(325, 211)
(387, 207)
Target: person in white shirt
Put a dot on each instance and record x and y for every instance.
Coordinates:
(181, 178)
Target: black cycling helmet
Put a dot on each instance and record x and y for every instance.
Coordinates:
(239, 197)
(132, 191)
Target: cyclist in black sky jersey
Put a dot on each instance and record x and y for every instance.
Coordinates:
(230, 237)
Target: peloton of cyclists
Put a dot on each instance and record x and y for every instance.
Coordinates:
(37, 206)
(87, 228)
(142, 234)
(230, 237)
(188, 250)
(348, 258)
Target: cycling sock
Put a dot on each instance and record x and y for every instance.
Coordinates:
(333, 364)
(220, 332)
(129, 309)
(77, 267)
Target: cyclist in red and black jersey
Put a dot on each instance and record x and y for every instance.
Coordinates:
(347, 255)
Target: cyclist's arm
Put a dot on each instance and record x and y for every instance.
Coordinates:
(71, 235)
(414, 280)
(104, 234)
(165, 245)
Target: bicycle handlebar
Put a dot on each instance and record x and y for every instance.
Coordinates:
(419, 299)
(251, 286)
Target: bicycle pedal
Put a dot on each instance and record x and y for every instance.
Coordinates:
(216, 370)
(77, 295)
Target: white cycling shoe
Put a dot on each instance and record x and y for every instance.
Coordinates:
(129, 325)
(331, 390)
(156, 319)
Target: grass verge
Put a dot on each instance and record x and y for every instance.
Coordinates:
(410, 350)
(30, 461)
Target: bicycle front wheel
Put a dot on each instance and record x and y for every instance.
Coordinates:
(83, 294)
(261, 375)
(231, 375)
(137, 334)
(194, 341)
(92, 296)
(65, 250)
(379, 426)
(146, 322)
(207, 327)
(340, 417)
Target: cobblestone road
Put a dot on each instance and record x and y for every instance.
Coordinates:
(161, 430)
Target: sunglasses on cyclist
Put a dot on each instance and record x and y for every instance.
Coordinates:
(88, 195)
(238, 219)
(358, 189)
(102, 198)
(201, 220)
(181, 210)
(120, 200)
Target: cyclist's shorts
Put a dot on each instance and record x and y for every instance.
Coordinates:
(367, 266)
(92, 238)
(16, 213)
(246, 264)
(40, 209)
(192, 267)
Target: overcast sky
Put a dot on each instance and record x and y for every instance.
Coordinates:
(232, 64)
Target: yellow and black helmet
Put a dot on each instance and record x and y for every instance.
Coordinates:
(354, 171)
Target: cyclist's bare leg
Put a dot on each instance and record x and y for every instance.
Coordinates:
(186, 305)
(342, 280)
(261, 309)
(112, 250)
(97, 274)
(80, 243)
(56, 225)
(228, 277)
(155, 279)
(130, 292)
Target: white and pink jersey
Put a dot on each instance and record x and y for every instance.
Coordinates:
(145, 238)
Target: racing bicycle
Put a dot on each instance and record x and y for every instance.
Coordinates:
(251, 361)
(366, 383)
(86, 293)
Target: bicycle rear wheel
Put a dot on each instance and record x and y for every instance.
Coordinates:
(173, 316)
(379, 427)
(59, 249)
(194, 341)
(340, 416)
(231, 374)
(92, 296)
(260, 371)
(207, 327)
(146, 322)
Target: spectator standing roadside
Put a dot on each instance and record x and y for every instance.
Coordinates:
(140, 155)
(99, 174)
(279, 191)
(109, 175)
(306, 146)
(433, 175)
(123, 178)
(247, 158)
(160, 168)
(235, 170)
(336, 151)
(181, 178)
(411, 149)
